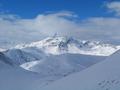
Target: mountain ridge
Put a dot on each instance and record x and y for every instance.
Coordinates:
(60, 45)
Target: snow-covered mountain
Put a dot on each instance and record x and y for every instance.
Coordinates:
(57, 46)
(51, 59)
(36, 51)
(61, 45)
(102, 76)
(52, 66)
(43, 72)
(20, 56)
(56, 57)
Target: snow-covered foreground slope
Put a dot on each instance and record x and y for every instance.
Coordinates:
(56, 67)
(102, 76)
(12, 77)
(61, 45)
(15, 78)
(45, 71)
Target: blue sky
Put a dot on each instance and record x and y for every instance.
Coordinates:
(32, 20)
(31, 8)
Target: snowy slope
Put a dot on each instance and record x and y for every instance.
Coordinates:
(16, 78)
(12, 77)
(19, 79)
(61, 45)
(5, 61)
(102, 76)
(56, 67)
(20, 56)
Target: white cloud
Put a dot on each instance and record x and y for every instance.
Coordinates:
(13, 28)
(102, 28)
(114, 7)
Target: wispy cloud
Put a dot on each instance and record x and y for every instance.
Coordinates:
(114, 7)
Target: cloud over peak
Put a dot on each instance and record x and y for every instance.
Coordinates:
(14, 28)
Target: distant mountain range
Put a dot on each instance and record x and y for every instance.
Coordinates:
(61, 45)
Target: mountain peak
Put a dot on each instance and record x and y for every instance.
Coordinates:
(59, 45)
